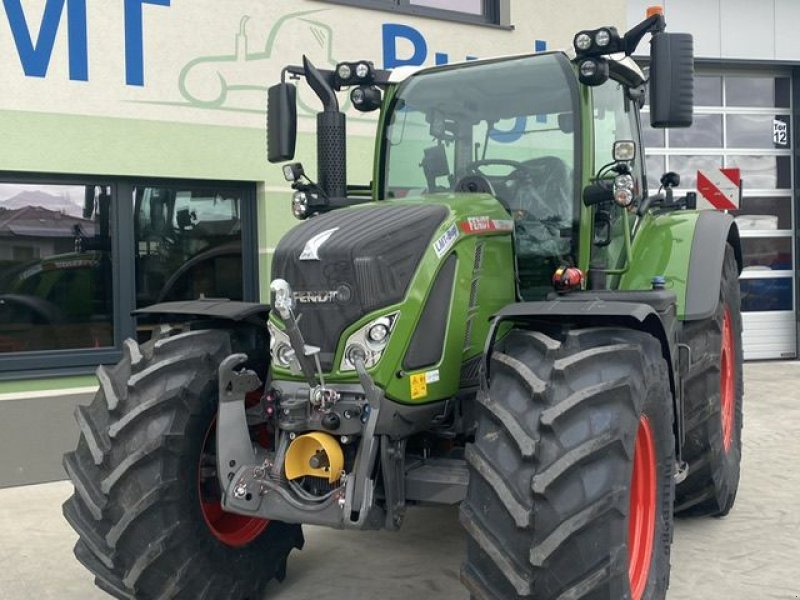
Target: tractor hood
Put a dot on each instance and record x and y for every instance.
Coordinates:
(347, 263)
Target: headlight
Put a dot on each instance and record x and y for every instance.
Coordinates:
(602, 38)
(283, 355)
(354, 352)
(358, 96)
(300, 205)
(583, 41)
(624, 181)
(362, 70)
(588, 68)
(281, 348)
(344, 71)
(623, 196)
(368, 343)
(378, 332)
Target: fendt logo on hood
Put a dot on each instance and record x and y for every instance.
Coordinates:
(341, 295)
(311, 250)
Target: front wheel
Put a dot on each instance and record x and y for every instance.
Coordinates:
(147, 502)
(571, 488)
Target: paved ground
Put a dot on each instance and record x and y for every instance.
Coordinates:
(754, 554)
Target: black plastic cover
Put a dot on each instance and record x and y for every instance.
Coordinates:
(671, 80)
(365, 264)
(427, 342)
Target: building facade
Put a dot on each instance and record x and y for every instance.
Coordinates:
(134, 171)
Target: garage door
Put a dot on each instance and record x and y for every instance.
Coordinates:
(743, 119)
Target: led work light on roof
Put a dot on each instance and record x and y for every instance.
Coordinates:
(366, 98)
(583, 41)
(593, 71)
(344, 72)
(602, 38)
(362, 70)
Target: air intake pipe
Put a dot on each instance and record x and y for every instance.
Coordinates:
(331, 136)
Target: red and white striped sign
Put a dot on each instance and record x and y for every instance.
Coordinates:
(719, 188)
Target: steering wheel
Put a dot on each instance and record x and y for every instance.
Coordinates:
(510, 182)
(474, 168)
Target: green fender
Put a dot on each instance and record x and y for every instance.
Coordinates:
(687, 248)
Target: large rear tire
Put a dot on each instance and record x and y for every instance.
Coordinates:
(144, 506)
(713, 404)
(571, 487)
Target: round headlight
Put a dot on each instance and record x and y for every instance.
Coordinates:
(623, 181)
(378, 333)
(588, 68)
(300, 205)
(583, 41)
(623, 196)
(283, 355)
(355, 352)
(362, 70)
(344, 71)
(602, 38)
(357, 96)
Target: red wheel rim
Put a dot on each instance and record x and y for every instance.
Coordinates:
(642, 514)
(230, 529)
(727, 382)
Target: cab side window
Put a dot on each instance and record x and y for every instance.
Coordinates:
(615, 120)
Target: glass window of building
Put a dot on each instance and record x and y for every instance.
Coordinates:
(56, 262)
(188, 245)
(486, 12)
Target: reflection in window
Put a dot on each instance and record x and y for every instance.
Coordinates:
(652, 137)
(55, 267)
(655, 169)
(758, 131)
(757, 91)
(774, 254)
(764, 214)
(472, 7)
(687, 167)
(189, 245)
(759, 295)
(705, 132)
(764, 172)
(708, 90)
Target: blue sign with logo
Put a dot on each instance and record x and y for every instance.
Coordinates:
(35, 56)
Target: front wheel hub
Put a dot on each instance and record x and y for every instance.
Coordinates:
(642, 513)
(231, 529)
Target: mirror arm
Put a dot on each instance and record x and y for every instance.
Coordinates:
(293, 71)
(654, 24)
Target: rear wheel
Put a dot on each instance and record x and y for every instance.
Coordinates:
(713, 401)
(571, 488)
(147, 502)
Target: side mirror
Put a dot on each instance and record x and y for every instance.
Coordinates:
(671, 80)
(281, 122)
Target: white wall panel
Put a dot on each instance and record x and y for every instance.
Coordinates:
(748, 29)
(787, 20)
(701, 18)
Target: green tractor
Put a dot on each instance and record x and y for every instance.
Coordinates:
(503, 320)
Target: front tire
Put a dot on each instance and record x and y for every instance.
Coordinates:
(571, 488)
(144, 507)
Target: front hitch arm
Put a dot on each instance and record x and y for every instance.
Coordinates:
(234, 448)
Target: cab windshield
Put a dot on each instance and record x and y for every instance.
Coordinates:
(504, 127)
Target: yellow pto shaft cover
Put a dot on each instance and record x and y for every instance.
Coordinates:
(315, 454)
